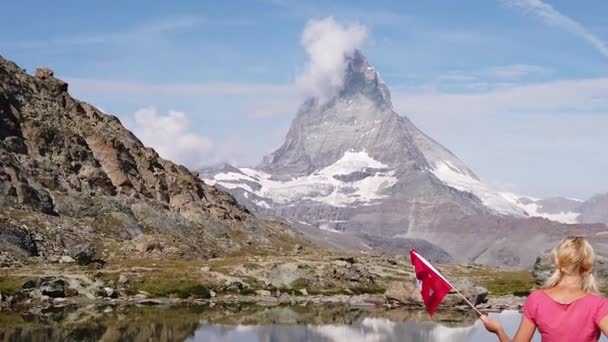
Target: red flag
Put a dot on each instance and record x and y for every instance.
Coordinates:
(434, 287)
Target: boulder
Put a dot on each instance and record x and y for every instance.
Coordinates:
(543, 268)
(263, 293)
(53, 288)
(107, 292)
(475, 294)
(84, 254)
(66, 259)
(403, 292)
(44, 73)
(145, 243)
(17, 239)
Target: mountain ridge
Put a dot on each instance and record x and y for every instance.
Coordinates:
(71, 174)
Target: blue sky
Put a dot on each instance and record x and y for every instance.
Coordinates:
(515, 88)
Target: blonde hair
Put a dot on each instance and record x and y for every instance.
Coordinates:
(574, 256)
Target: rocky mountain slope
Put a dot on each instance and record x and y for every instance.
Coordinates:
(355, 174)
(73, 177)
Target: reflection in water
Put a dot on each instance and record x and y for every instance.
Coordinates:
(240, 323)
(368, 330)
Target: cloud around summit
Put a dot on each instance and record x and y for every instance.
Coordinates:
(327, 42)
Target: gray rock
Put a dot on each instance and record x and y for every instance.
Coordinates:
(66, 259)
(303, 292)
(53, 288)
(263, 293)
(145, 243)
(475, 294)
(53, 259)
(403, 292)
(17, 239)
(84, 254)
(122, 279)
(107, 292)
(544, 266)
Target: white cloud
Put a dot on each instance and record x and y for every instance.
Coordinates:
(517, 71)
(327, 43)
(551, 16)
(172, 137)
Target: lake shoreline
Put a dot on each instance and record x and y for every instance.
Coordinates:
(360, 301)
(369, 281)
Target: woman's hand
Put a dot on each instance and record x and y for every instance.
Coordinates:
(491, 325)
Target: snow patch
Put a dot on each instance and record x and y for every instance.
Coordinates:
(262, 204)
(535, 210)
(327, 228)
(455, 178)
(321, 186)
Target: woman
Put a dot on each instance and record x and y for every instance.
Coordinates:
(568, 307)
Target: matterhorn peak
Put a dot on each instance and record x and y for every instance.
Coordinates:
(361, 78)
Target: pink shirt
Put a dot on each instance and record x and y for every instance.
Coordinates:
(577, 321)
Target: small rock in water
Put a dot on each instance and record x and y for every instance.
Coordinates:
(122, 279)
(212, 293)
(303, 292)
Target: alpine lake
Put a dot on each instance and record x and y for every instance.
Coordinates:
(240, 323)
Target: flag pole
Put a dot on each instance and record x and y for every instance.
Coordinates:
(468, 302)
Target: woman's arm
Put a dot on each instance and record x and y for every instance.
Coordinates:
(524, 333)
(604, 325)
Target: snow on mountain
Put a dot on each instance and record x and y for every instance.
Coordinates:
(356, 179)
(457, 179)
(506, 202)
(535, 207)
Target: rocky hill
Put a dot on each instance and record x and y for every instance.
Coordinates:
(72, 178)
(355, 174)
